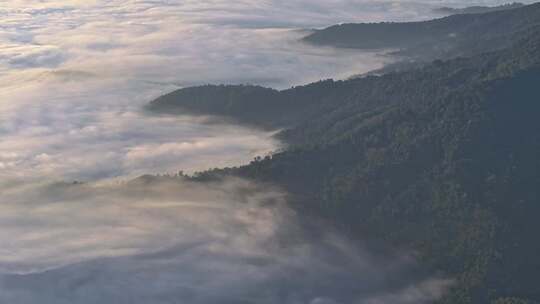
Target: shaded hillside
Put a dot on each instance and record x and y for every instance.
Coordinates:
(456, 177)
(256, 105)
(477, 9)
(443, 159)
(457, 35)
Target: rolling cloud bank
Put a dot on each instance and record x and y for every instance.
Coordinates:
(74, 76)
(171, 241)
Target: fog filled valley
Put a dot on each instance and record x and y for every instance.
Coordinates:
(318, 152)
(159, 241)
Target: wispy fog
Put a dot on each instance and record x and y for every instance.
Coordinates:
(173, 241)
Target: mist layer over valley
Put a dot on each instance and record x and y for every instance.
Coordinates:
(169, 240)
(92, 208)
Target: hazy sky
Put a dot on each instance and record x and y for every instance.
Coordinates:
(74, 76)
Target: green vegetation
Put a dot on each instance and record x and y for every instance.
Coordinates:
(443, 160)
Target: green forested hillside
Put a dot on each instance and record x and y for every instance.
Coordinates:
(443, 160)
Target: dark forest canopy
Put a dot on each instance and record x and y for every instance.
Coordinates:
(443, 158)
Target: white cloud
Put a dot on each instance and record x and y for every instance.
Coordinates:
(31, 56)
(102, 133)
(74, 75)
(171, 241)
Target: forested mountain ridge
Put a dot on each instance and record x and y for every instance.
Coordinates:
(247, 104)
(449, 37)
(257, 105)
(442, 160)
(477, 9)
(376, 96)
(318, 101)
(454, 173)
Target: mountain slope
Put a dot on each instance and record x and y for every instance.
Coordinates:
(455, 173)
(247, 104)
(442, 160)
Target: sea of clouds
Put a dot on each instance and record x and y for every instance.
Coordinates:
(165, 240)
(74, 77)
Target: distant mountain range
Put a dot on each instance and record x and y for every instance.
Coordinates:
(449, 37)
(442, 159)
(477, 9)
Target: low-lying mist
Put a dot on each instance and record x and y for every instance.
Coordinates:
(95, 129)
(169, 240)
